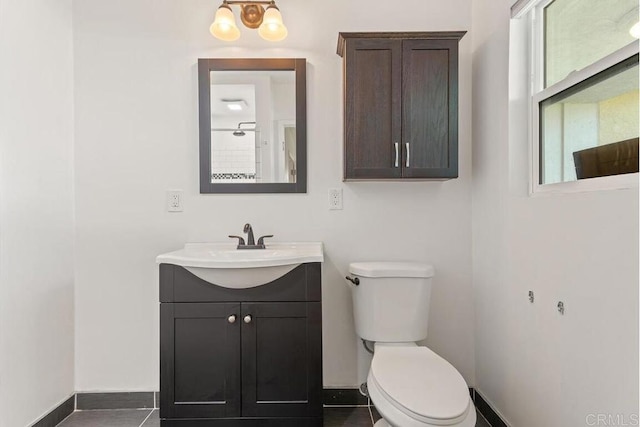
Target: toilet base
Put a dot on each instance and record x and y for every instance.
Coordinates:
(381, 423)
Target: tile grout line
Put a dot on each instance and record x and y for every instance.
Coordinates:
(145, 420)
(483, 417)
(65, 418)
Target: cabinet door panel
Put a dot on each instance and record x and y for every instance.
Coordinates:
(281, 360)
(372, 108)
(194, 352)
(430, 106)
(200, 370)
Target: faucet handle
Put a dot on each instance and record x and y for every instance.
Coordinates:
(240, 240)
(261, 239)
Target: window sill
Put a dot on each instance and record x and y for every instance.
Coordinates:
(605, 183)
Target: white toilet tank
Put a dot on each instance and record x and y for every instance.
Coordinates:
(391, 302)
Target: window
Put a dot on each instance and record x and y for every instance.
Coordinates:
(577, 33)
(591, 129)
(585, 93)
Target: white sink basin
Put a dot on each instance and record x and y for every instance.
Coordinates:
(224, 265)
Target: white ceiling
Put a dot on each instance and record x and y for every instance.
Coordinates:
(580, 32)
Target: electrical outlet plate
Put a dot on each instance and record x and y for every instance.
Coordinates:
(174, 201)
(335, 199)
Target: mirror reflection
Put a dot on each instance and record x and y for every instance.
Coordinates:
(253, 126)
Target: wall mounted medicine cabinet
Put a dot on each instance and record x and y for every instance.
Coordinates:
(401, 105)
(253, 125)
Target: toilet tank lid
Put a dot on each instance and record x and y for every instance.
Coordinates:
(391, 269)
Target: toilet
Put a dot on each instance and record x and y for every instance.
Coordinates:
(410, 385)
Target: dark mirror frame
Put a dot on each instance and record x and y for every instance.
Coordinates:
(205, 66)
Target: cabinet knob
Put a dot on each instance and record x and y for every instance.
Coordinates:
(232, 318)
(247, 318)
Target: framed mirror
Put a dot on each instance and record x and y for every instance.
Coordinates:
(253, 125)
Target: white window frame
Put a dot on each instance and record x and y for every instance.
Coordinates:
(534, 11)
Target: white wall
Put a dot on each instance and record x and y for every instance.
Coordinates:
(36, 208)
(137, 135)
(536, 367)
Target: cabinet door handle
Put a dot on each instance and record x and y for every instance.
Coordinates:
(232, 318)
(397, 149)
(247, 318)
(408, 154)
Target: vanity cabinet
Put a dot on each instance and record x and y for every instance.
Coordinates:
(400, 105)
(240, 357)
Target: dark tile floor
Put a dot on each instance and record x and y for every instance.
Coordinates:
(333, 417)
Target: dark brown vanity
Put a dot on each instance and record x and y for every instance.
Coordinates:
(400, 105)
(241, 357)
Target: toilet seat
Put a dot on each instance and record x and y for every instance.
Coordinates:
(420, 384)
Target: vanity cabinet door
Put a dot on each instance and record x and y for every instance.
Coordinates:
(200, 363)
(282, 359)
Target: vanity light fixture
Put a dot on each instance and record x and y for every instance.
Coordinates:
(635, 30)
(253, 15)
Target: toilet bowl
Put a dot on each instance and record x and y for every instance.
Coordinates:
(410, 385)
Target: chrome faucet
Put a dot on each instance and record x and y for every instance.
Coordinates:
(251, 243)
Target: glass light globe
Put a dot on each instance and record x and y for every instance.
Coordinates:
(224, 26)
(272, 27)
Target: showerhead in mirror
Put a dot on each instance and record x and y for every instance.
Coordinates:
(239, 131)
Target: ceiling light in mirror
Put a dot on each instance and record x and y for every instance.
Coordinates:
(235, 104)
